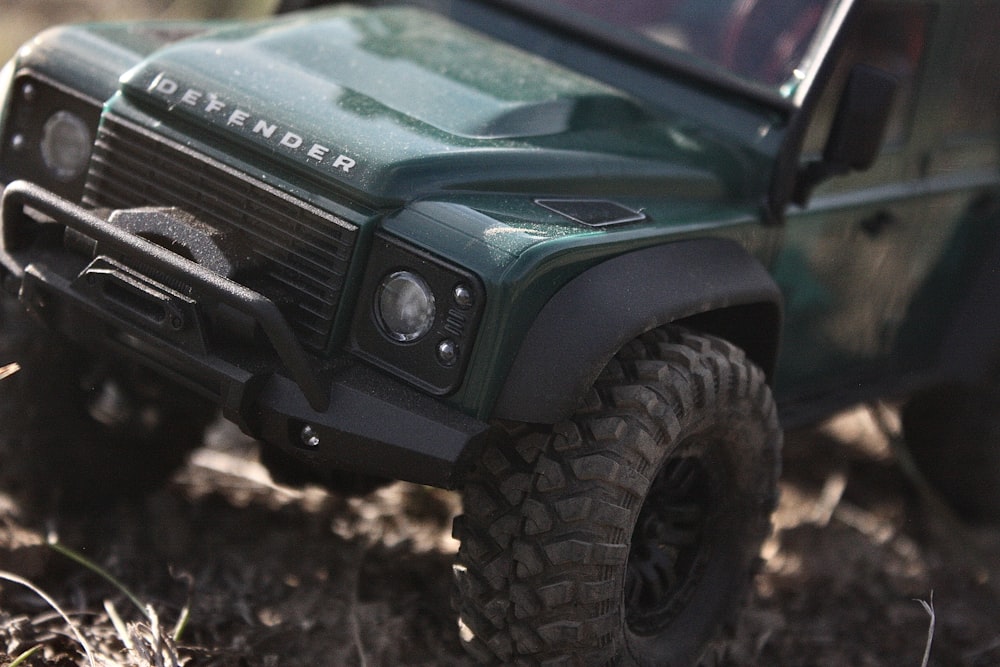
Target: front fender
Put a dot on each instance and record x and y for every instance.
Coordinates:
(714, 283)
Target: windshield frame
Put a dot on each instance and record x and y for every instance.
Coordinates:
(633, 45)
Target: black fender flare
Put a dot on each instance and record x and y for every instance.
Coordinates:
(715, 283)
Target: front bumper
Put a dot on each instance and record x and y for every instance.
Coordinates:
(144, 302)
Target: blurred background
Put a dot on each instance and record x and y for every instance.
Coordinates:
(20, 20)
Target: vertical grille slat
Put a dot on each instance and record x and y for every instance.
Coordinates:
(303, 252)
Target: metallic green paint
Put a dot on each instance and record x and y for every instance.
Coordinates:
(404, 119)
(396, 103)
(451, 125)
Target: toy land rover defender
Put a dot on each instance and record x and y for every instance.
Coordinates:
(557, 254)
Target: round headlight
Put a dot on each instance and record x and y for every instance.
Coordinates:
(65, 145)
(405, 306)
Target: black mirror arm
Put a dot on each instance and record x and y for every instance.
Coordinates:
(812, 174)
(857, 131)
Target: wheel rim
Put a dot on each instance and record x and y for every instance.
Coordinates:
(667, 545)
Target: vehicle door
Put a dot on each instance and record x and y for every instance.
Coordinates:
(957, 143)
(856, 253)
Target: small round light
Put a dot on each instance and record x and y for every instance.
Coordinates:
(405, 306)
(447, 351)
(463, 296)
(65, 145)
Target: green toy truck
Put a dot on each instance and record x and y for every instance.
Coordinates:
(573, 258)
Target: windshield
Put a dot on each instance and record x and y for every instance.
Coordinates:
(771, 43)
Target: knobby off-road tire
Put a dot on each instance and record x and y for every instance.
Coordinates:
(629, 533)
(79, 433)
(953, 435)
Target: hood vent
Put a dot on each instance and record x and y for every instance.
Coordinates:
(592, 212)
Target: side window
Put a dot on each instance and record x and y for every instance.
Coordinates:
(887, 35)
(974, 110)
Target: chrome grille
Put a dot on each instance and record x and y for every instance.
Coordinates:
(303, 252)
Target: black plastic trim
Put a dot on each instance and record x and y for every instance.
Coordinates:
(374, 425)
(358, 417)
(21, 194)
(417, 361)
(594, 315)
(787, 173)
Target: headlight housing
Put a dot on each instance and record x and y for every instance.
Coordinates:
(404, 306)
(65, 145)
(417, 316)
(48, 134)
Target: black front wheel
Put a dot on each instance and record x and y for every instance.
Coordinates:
(629, 533)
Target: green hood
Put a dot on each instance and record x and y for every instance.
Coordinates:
(397, 103)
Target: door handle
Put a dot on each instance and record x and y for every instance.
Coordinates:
(875, 224)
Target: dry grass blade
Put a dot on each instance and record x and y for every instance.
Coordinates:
(56, 546)
(185, 615)
(120, 628)
(21, 659)
(8, 370)
(929, 608)
(151, 644)
(146, 643)
(14, 579)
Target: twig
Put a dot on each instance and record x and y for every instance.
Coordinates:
(8, 370)
(929, 608)
(14, 579)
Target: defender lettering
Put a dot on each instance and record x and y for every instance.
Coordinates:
(211, 104)
(264, 128)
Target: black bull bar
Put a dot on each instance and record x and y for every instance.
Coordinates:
(364, 420)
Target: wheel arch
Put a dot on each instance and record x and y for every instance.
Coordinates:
(712, 285)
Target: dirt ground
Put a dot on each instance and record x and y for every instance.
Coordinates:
(269, 576)
(272, 576)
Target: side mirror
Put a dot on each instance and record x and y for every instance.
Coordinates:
(857, 130)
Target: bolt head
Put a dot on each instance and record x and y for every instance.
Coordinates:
(309, 436)
(447, 352)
